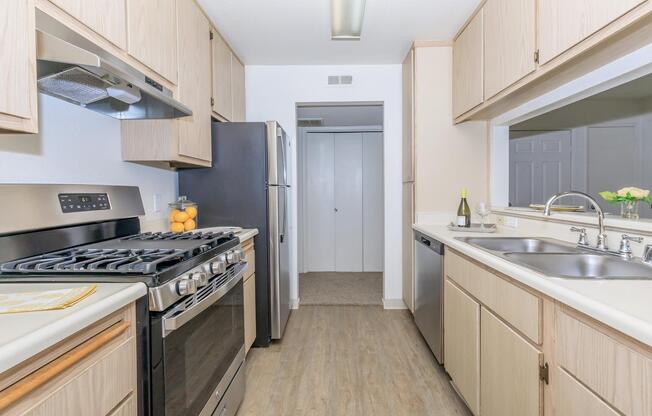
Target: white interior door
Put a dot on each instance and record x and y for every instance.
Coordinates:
(539, 165)
(372, 201)
(348, 202)
(319, 244)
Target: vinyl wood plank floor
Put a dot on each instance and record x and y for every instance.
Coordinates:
(341, 288)
(348, 360)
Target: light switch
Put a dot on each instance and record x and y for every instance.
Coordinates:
(157, 202)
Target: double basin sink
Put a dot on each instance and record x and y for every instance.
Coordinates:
(556, 258)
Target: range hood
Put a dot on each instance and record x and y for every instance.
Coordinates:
(74, 69)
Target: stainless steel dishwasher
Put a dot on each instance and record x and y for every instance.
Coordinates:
(429, 291)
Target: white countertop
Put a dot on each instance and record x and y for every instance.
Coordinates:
(625, 305)
(26, 334)
(247, 233)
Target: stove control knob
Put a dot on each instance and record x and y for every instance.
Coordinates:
(218, 266)
(240, 253)
(186, 287)
(232, 257)
(200, 278)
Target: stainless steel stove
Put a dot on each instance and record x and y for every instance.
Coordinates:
(191, 325)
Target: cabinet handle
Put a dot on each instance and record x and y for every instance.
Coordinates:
(52, 369)
(425, 241)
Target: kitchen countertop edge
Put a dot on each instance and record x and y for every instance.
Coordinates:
(630, 325)
(42, 338)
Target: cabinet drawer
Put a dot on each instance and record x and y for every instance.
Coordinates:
(574, 399)
(518, 307)
(611, 369)
(250, 257)
(97, 390)
(126, 408)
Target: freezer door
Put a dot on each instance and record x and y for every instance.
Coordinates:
(279, 266)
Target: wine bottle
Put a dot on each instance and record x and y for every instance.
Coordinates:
(463, 212)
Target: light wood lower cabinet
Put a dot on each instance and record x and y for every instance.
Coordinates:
(18, 95)
(574, 399)
(511, 351)
(509, 368)
(462, 343)
(250, 295)
(91, 373)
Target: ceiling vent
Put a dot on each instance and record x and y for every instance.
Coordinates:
(340, 79)
(310, 122)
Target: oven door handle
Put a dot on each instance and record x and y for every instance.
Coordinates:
(176, 321)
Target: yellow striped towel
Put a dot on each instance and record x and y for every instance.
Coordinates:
(44, 300)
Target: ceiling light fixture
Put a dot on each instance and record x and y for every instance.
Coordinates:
(346, 19)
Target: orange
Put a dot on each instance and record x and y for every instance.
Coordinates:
(189, 225)
(191, 211)
(176, 227)
(181, 216)
(173, 213)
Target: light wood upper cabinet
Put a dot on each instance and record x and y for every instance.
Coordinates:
(468, 71)
(194, 79)
(238, 89)
(408, 117)
(107, 18)
(228, 82)
(222, 78)
(18, 96)
(462, 344)
(510, 383)
(183, 142)
(564, 23)
(509, 43)
(152, 28)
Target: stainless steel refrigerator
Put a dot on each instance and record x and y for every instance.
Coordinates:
(247, 186)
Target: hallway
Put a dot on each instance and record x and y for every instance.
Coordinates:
(348, 361)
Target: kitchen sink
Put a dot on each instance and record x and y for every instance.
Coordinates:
(583, 266)
(520, 245)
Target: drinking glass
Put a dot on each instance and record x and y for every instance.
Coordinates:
(482, 210)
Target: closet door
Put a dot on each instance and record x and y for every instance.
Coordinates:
(320, 216)
(372, 201)
(348, 202)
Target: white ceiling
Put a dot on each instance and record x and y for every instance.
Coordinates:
(349, 115)
(290, 32)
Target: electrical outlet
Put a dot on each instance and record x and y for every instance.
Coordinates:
(511, 222)
(157, 202)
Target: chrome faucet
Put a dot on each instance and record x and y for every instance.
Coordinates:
(602, 236)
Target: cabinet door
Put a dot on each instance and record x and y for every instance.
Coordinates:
(152, 28)
(408, 117)
(249, 311)
(467, 67)
(18, 102)
(222, 78)
(573, 398)
(564, 23)
(195, 72)
(509, 36)
(107, 18)
(462, 344)
(510, 384)
(408, 245)
(238, 88)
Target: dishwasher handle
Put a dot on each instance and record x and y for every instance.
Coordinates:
(429, 242)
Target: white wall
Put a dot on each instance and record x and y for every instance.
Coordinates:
(272, 94)
(75, 145)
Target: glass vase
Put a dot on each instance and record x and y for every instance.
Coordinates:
(629, 210)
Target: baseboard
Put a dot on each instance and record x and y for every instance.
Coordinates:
(294, 303)
(394, 304)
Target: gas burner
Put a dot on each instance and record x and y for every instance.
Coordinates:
(167, 236)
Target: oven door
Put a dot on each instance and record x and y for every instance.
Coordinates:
(202, 346)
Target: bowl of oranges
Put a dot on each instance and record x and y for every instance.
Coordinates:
(182, 215)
